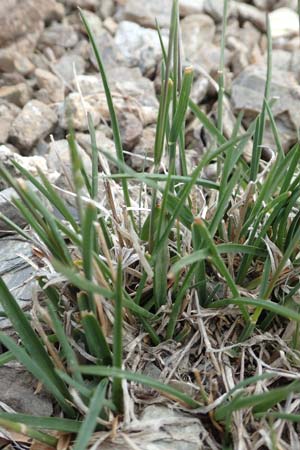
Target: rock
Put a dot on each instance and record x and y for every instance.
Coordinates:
(189, 7)
(59, 160)
(15, 271)
(131, 130)
(18, 391)
(51, 83)
(141, 157)
(199, 89)
(84, 4)
(94, 21)
(30, 163)
(138, 46)
(248, 91)
(18, 94)
(111, 54)
(59, 34)
(89, 84)
(145, 13)
(11, 60)
(251, 14)
(110, 25)
(197, 31)
(26, 16)
(64, 67)
(11, 212)
(131, 93)
(103, 143)
(35, 121)
(8, 112)
(215, 9)
(295, 63)
(284, 23)
(106, 8)
(75, 109)
(282, 58)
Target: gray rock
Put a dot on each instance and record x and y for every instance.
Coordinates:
(132, 93)
(8, 112)
(51, 83)
(30, 163)
(16, 272)
(295, 63)
(248, 91)
(59, 34)
(35, 121)
(145, 13)
(64, 67)
(59, 160)
(26, 16)
(141, 157)
(131, 130)
(85, 4)
(94, 21)
(215, 9)
(75, 109)
(18, 94)
(106, 8)
(188, 7)
(247, 12)
(111, 54)
(284, 22)
(10, 211)
(12, 60)
(139, 46)
(103, 143)
(18, 391)
(197, 32)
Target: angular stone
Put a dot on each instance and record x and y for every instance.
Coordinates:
(142, 155)
(131, 93)
(35, 121)
(215, 9)
(59, 160)
(139, 46)
(295, 63)
(10, 211)
(131, 130)
(284, 22)
(26, 16)
(110, 52)
(64, 67)
(18, 390)
(51, 83)
(30, 163)
(197, 31)
(8, 112)
(103, 143)
(189, 7)
(18, 94)
(248, 91)
(247, 12)
(145, 13)
(16, 272)
(59, 34)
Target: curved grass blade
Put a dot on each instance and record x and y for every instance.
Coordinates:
(46, 423)
(89, 424)
(143, 379)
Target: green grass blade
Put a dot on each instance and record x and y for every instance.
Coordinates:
(143, 379)
(117, 391)
(89, 424)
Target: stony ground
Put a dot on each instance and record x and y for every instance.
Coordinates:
(47, 69)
